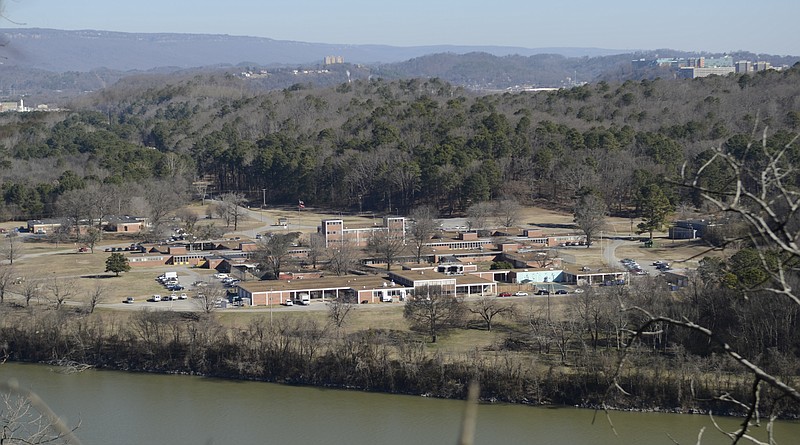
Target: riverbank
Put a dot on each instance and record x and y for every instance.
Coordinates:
(299, 351)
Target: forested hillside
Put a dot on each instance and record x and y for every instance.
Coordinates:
(389, 145)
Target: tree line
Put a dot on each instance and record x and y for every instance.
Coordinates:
(548, 362)
(375, 145)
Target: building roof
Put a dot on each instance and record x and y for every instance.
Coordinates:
(124, 219)
(325, 283)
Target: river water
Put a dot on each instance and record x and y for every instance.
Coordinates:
(123, 408)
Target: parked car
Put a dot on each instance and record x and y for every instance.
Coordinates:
(288, 303)
(129, 300)
(156, 297)
(183, 296)
(504, 294)
(542, 292)
(520, 294)
(83, 249)
(561, 292)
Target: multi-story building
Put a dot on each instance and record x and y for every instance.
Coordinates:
(762, 66)
(744, 66)
(335, 232)
(694, 73)
(333, 60)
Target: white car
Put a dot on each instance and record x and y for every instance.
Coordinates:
(220, 276)
(183, 296)
(156, 297)
(289, 303)
(520, 294)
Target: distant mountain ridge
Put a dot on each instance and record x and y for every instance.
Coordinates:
(85, 50)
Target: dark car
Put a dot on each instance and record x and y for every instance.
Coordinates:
(561, 292)
(542, 292)
(504, 294)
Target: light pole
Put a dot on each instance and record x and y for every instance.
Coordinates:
(263, 204)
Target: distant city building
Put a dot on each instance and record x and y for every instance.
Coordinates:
(333, 60)
(720, 62)
(744, 66)
(13, 106)
(694, 73)
(694, 67)
(762, 66)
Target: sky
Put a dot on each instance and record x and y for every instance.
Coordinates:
(767, 26)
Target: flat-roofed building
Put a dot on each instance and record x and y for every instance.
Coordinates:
(336, 232)
(467, 284)
(349, 288)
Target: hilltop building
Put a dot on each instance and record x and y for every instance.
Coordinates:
(334, 60)
(694, 67)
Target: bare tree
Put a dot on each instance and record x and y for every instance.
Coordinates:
(339, 310)
(273, 250)
(488, 308)
(11, 247)
(60, 234)
(60, 289)
(478, 215)
(188, 218)
(341, 258)
(589, 309)
(162, 198)
(30, 289)
(506, 212)
(189, 224)
(6, 279)
(590, 215)
(26, 419)
(316, 249)
(387, 246)
(207, 232)
(72, 206)
(95, 295)
(230, 208)
(545, 258)
(423, 228)
(207, 300)
(202, 189)
(100, 201)
(92, 236)
(433, 310)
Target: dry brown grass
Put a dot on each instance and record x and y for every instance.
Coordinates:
(86, 270)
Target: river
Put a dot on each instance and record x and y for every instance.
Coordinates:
(123, 408)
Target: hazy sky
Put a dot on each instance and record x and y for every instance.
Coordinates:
(767, 26)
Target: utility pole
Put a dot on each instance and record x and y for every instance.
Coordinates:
(263, 204)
